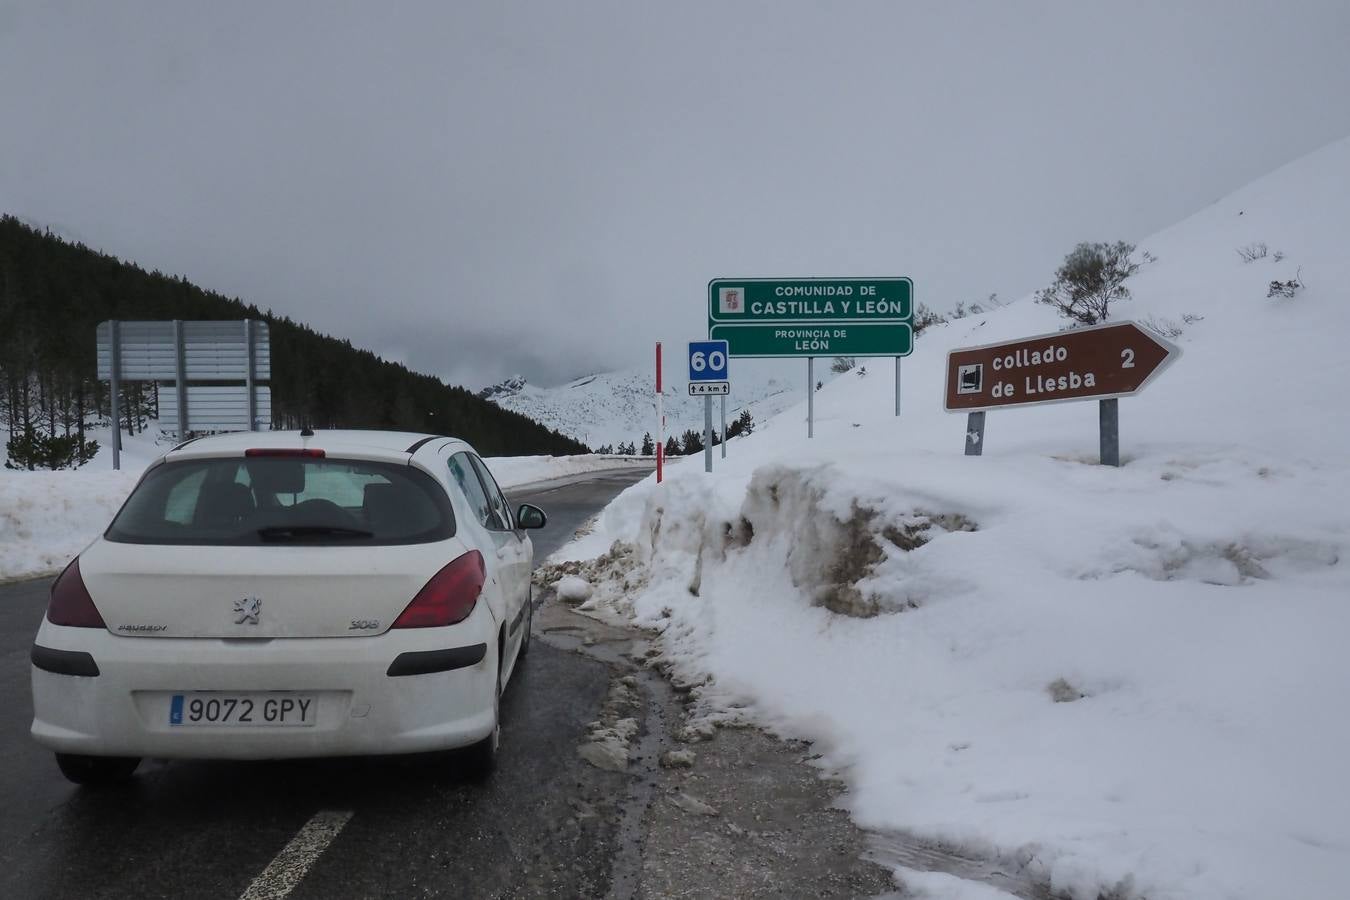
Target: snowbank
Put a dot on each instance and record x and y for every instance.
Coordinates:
(1125, 680)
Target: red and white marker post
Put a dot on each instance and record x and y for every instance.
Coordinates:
(660, 419)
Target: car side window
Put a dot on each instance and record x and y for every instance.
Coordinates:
(461, 470)
(495, 496)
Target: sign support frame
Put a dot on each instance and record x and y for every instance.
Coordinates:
(1108, 418)
(724, 426)
(975, 434)
(810, 397)
(248, 376)
(897, 386)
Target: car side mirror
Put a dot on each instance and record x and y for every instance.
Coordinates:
(529, 516)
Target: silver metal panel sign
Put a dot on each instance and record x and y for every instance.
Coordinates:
(216, 407)
(212, 351)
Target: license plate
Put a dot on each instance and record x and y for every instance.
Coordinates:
(271, 709)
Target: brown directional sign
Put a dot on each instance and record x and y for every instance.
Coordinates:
(1094, 363)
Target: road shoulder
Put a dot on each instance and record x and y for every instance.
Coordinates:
(725, 811)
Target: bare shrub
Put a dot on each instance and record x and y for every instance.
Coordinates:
(1253, 252)
(1090, 280)
(1286, 288)
(1168, 328)
(925, 318)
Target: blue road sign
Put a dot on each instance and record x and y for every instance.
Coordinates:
(708, 368)
(708, 361)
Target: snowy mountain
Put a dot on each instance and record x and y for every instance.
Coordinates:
(1091, 681)
(616, 407)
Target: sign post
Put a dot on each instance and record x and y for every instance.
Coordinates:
(724, 426)
(114, 386)
(810, 397)
(770, 318)
(897, 387)
(1102, 362)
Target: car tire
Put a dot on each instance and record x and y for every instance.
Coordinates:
(481, 758)
(96, 771)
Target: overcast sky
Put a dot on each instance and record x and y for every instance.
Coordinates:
(482, 188)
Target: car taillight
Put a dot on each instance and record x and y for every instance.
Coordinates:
(284, 451)
(71, 604)
(449, 596)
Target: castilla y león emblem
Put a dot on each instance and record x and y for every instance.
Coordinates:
(248, 610)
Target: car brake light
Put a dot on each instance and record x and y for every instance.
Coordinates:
(71, 604)
(449, 596)
(284, 451)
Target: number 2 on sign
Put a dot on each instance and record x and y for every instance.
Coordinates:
(1127, 358)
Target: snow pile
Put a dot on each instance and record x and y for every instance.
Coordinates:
(573, 589)
(46, 518)
(1129, 680)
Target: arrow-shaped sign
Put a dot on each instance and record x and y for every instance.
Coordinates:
(1095, 363)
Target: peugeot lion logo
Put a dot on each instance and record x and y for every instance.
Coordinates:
(248, 610)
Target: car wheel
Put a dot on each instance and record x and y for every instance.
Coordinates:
(481, 758)
(97, 770)
(529, 627)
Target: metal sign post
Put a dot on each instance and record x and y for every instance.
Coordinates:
(249, 367)
(1108, 420)
(114, 385)
(180, 377)
(897, 386)
(975, 434)
(724, 426)
(810, 396)
(707, 432)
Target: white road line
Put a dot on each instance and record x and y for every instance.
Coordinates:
(284, 872)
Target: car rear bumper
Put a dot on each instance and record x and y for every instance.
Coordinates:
(362, 709)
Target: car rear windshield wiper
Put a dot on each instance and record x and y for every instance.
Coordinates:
(282, 532)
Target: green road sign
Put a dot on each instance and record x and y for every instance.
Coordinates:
(763, 300)
(815, 339)
(772, 317)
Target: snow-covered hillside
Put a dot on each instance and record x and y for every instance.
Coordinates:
(616, 407)
(1124, 681)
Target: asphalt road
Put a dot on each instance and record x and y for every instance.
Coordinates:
(543, 825)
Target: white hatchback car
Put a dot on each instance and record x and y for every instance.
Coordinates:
(269, 595)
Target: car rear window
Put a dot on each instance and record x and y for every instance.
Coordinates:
(280, 500)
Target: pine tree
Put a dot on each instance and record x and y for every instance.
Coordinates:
(648, 448)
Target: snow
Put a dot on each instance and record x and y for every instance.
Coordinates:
(940, 886)
(1127, 680)
(46, 518)
(572, 589)
(616, 407)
